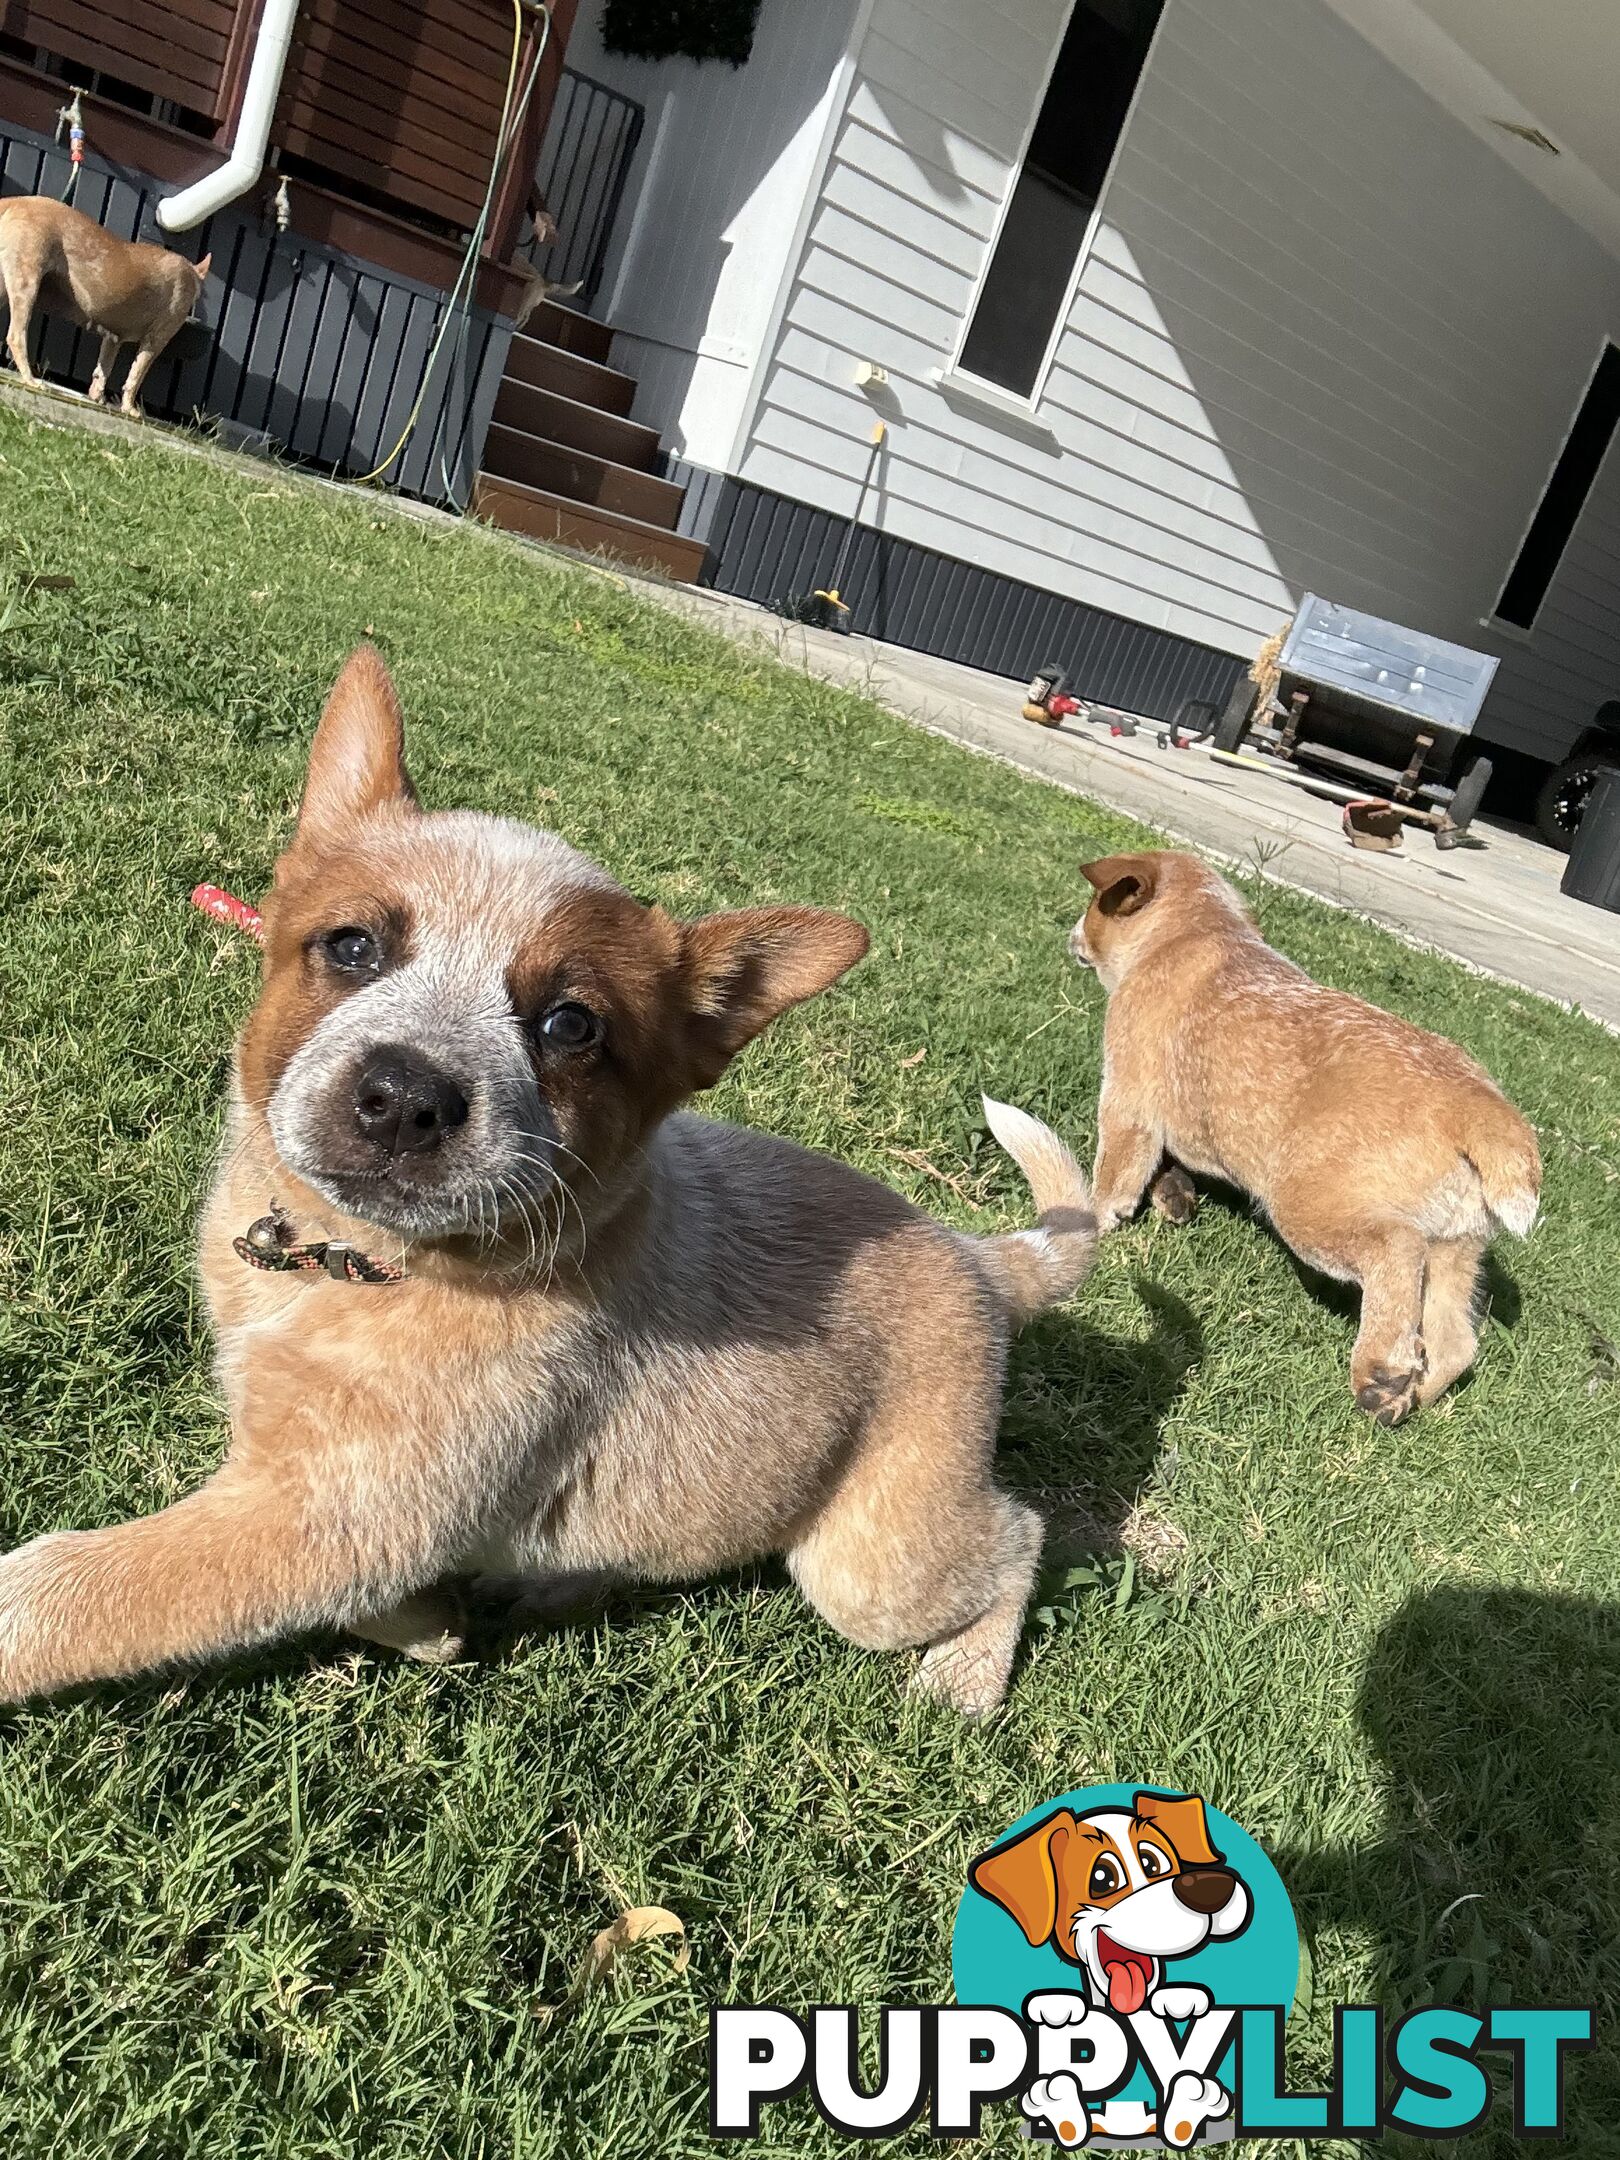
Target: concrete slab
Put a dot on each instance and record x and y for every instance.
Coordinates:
(1494, 905)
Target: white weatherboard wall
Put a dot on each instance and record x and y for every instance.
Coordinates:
(726, 161)
(1553, 681)
(1325, 339)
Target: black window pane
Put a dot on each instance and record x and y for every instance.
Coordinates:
(1554, 522)
(1076, 132)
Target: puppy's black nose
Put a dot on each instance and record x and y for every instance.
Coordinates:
(404, 1104)
(1205, 1889)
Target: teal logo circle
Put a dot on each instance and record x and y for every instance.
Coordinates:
(1119, 1893)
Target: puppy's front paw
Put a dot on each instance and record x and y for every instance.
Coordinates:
(31, 1584)
(1057, 2101)
(1191, 2102)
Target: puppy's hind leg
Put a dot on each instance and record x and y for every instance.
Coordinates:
(429, 1627)
(1450, 1313)
(970, 1667)
(916, 1548)
(1387, 1364)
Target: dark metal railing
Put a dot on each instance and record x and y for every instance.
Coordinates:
(584, 163)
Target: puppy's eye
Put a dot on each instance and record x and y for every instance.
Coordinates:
(569, 1027)
(1154, 1864)
(1106, 1877)
(354, 951)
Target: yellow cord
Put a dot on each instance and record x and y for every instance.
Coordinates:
(474, 246)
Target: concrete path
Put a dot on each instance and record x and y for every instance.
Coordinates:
(1494, 905)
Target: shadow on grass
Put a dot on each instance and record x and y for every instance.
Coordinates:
(1087, 1480)
(1494, 1874)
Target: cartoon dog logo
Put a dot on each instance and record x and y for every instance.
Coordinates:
(1120, 1892)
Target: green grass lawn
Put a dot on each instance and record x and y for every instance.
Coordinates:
(320, 1903)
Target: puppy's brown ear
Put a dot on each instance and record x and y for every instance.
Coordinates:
(357, 760)
(202, 268)
(745, 968)
(1124, 882)
(1183, 1822)
(1022, 1876)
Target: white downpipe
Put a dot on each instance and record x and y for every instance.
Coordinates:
(179, 213)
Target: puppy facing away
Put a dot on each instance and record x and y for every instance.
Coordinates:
(623, 1340)
(128, 291)
(1383, 1155)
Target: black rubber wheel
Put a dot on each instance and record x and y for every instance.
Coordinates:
(1469, 794)
(1233, 724)
(1564, 792)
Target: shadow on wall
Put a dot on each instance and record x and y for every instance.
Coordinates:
(292, 345)
(1494, 1873)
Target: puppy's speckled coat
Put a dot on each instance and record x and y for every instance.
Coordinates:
(1383, 1154)
(628, 1340)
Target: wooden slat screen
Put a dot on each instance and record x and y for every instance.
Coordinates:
(399, 97)
(171, 48)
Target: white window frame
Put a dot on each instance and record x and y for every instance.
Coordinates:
(955, 375)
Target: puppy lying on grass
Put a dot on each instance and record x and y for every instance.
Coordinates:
(623, 1341)
(1383, 1155)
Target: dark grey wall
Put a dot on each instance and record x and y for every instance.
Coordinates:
(319, 352)
(769, 548)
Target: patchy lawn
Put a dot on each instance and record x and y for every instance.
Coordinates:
(313, 1905)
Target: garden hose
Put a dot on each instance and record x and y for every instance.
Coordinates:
(462, 291)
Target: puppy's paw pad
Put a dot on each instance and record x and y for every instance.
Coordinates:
(972, 1682)
(1388, 1394)
(1175, 1198)
(443, 1649)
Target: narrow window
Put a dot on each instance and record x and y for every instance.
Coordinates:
(1554, 522)
(1077, 130)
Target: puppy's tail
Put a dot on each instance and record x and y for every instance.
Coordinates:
(1036, 1268)
(1507, 1163)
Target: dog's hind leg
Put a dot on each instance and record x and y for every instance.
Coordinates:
(1450, 1313)
(22, 289)
(106, 361)
(970, 1668)
(1387, 1364)
(916, 1547)
(429, 1627)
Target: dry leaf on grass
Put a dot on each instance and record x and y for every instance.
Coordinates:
(639, 1924)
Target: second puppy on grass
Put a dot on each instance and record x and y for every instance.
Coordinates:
(1383, 1154)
